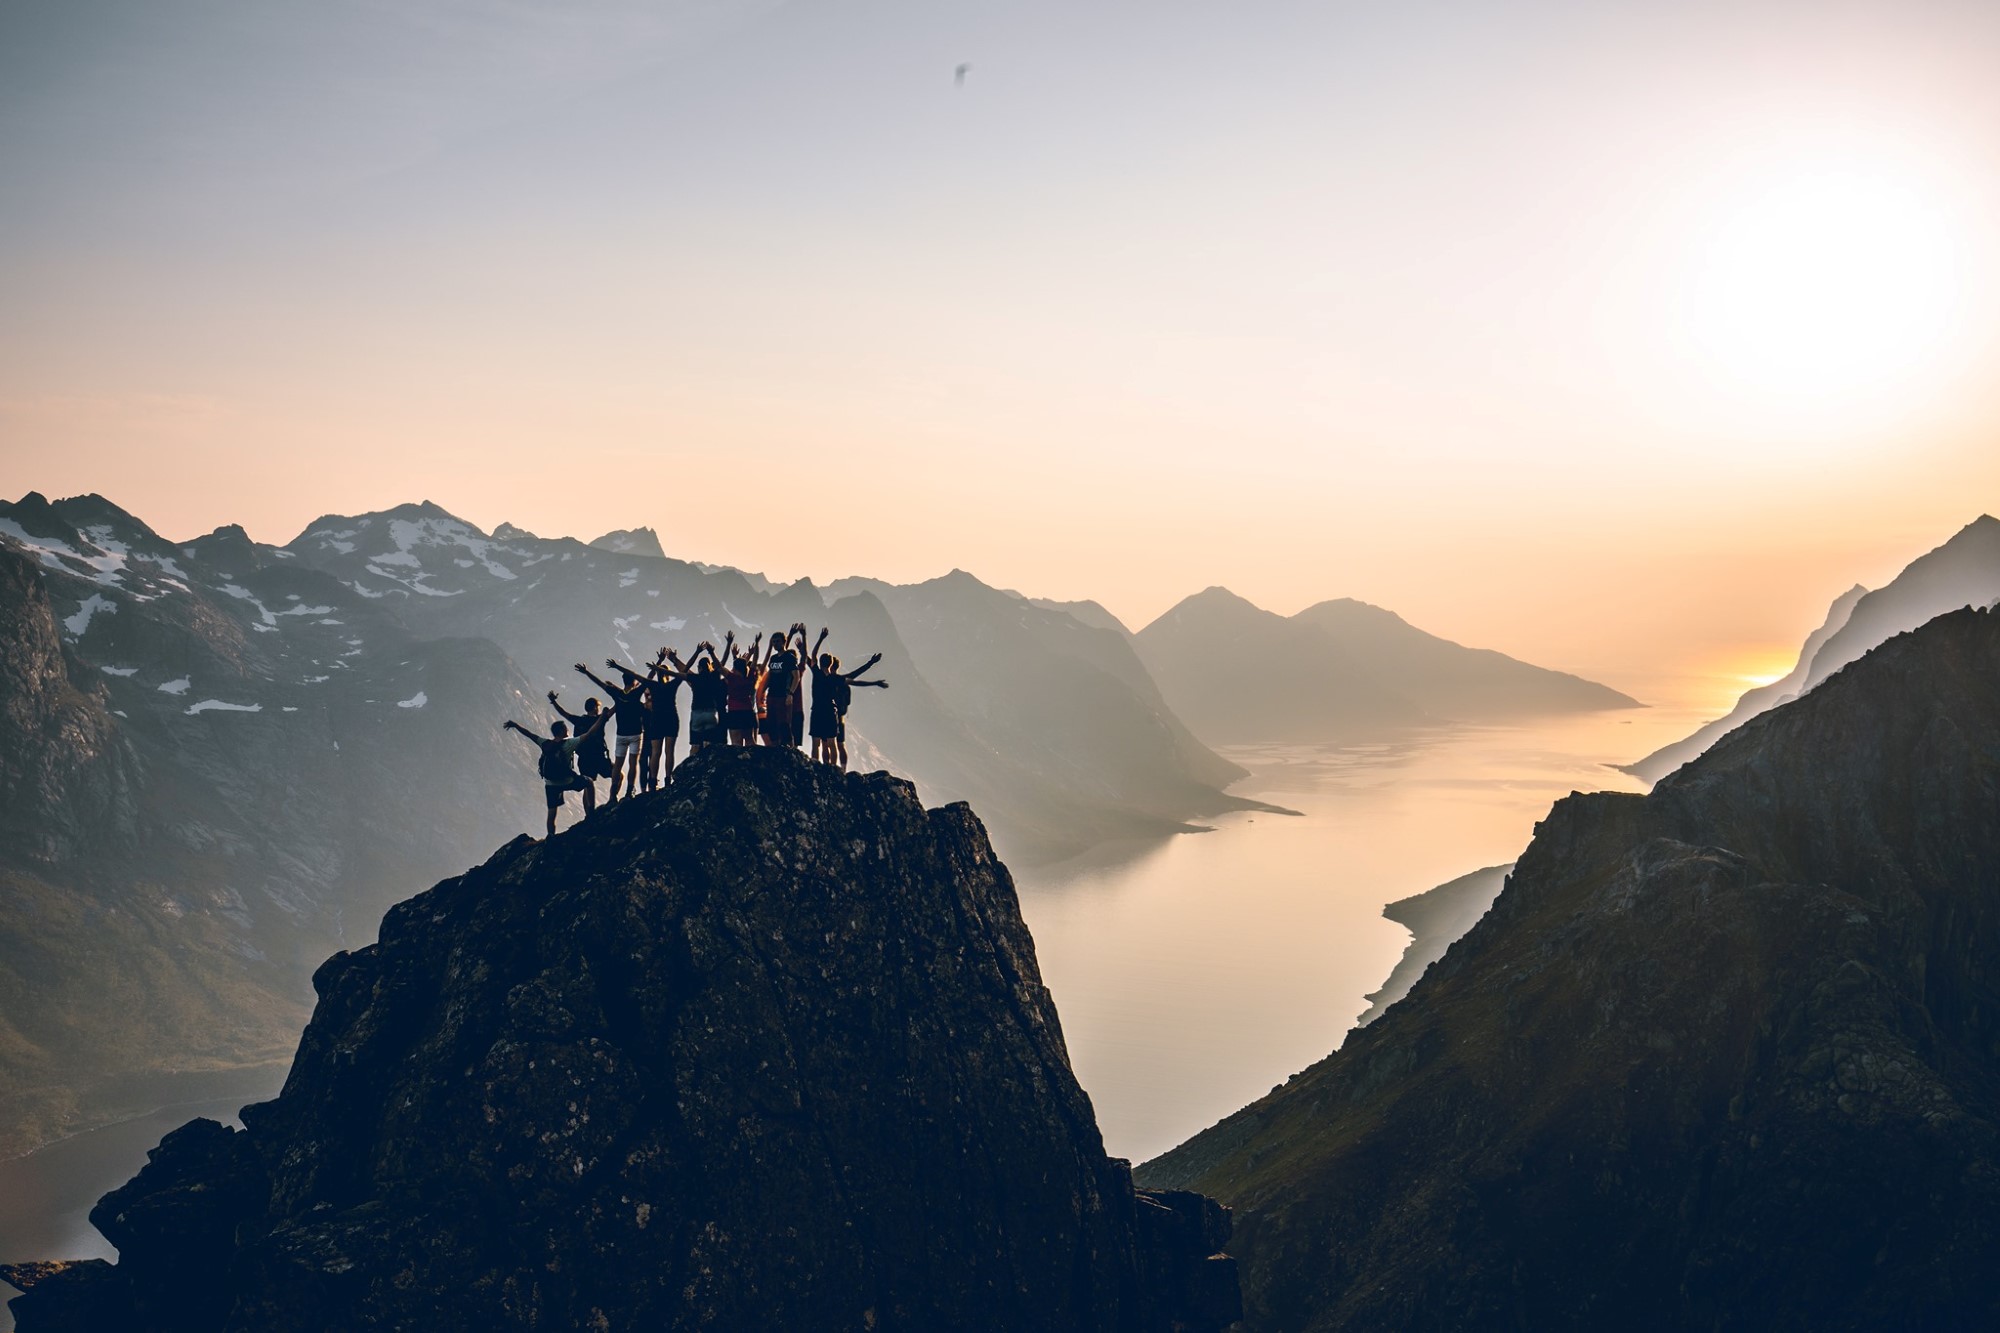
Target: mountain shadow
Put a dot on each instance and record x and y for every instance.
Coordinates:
(1726, 1056)
(767, 1051)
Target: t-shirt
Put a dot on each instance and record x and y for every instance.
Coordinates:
(629, 710)
(706, 691)
(781, 676)
(742, 690)
(666, 701)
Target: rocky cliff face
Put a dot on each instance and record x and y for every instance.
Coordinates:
(1724, 1057)
(769, 1050)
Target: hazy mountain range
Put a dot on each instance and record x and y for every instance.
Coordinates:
(1338, 670)
(1965, 571)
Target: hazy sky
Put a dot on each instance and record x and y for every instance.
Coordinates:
(1621, 337)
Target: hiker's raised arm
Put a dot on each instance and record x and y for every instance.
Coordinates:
(856, 674)
(598, 680)
(556, 704)
(512, 725)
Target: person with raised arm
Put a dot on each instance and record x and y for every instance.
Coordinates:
(592, 759)
(739, 707)
(778, 687)
(663, 715)
(628, 707)
(708, 693)
(839, 690)
(557, 765)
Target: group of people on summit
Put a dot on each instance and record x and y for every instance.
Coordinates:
(735, 697)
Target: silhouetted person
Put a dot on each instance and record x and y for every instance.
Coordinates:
(628, 706)
(778, 688)
(708, 695)
(663, 716)
(839, 691)
(592, 759)
(558, 765)
(739, 705)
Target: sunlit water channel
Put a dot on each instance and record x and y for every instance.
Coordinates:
(1195, 973)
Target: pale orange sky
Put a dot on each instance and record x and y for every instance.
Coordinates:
(1622, 342)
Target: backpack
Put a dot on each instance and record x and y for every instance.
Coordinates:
(781, 674)
(555, 762)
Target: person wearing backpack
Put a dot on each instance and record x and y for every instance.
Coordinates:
(557, 765)
(593, 761)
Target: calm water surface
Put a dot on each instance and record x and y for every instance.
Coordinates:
(1194, 973)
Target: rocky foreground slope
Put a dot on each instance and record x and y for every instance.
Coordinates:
(1726, 1056)
(766, 1051)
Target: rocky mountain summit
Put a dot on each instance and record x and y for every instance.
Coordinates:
(766, 1050)
(1725, 1056)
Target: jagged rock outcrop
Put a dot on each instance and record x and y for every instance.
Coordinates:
(766, 1050)
(1726, 1056)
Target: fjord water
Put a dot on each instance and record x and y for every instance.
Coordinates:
(1194, 973)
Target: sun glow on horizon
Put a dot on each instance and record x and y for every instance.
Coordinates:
(1829, 289)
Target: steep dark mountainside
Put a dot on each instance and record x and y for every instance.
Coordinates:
(769, 1051)
(550, 602)
(1722, 1057)
(1965, 571)
(216, 766)
(1335, 671)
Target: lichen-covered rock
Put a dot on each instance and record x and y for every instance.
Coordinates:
(768, 1050)
(1722, 1057)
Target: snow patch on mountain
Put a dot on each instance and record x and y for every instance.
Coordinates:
(176, 686)
(119, 671)
(92, 604)
(218, 706)
(417, 700)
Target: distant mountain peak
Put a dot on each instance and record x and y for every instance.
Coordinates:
(631, 541)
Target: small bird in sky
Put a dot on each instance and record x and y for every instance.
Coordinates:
(958, 75)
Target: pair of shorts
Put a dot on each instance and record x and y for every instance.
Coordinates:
(553, 793)
(594, 763)
(740, 719)
(668, 730)
(776, 726)
(825, 724)
(705, 726)
(631, 744)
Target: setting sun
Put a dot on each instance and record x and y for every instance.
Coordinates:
(1829, 288)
